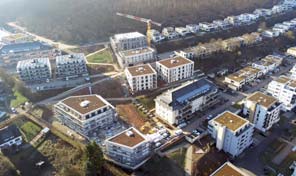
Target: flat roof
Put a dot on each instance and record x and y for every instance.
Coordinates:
(262, 99)
(228, 169)
(84, 104)
(175, 62)
(137, 51)
(243, 73)
(230, 120)
(129, 35)
(130, 138)
(141, 70)
(286, 80)
(282, 79)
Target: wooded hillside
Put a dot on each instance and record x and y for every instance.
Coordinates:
(83, 21)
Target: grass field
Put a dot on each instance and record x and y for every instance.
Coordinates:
(30, 130)
(104, 56)
(148, 102)
(178, 156)
(161, 166)
(60, 158)
(17, 99)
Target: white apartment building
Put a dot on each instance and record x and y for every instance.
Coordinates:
(33, 70)
(174, 69)
(155, 35)
(71, 66)
(193, 28)
(228, 169)
(182, 31)
(177, 105)
(141, 77)
(237, 80)
(129, 149)
(292, 51)
(268, 64)
(262, 110)
(169, 33)
(284, 89)
(233, 134)
(128, 41)
(10, 136)
(293, 72)
(207, 27)
(136, 56)
(85, 114)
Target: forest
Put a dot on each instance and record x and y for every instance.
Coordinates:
(87, 21)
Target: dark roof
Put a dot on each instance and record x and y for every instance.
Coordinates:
(196, 89)
(8, 133)
(22, 47)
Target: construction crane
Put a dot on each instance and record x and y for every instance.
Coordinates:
(149, 22)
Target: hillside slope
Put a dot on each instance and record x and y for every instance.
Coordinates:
(82, 21)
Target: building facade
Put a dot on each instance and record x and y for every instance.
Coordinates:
(128, 41)
(85, 114)
(262, 110)
(237, 80)
(136, 56)
(233, 134)
(174, 69)
(71, 66)
(293, 72)
(33, 70)
(141, 77)
(177, 105)
(283, 89)
(10, 136)
(268, 64)
(129, 149)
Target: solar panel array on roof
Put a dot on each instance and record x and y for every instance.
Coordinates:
(194, 93)
(195, 89)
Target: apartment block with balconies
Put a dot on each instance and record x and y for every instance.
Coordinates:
(71, 66)
(262, 110)
(141, 77)
(177, 105)
(34, 70)
(174, 69)
(233, 134)
(283, 88)
(129, 149)
(85, 114)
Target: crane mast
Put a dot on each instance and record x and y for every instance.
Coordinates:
(149, 23)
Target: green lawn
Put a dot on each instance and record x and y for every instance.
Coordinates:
(104, 56)
(148, 102)
(30, 130)
(17, 99)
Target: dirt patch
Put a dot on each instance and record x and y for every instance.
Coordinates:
(98, 69)
(130, 115)
(107, 89)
